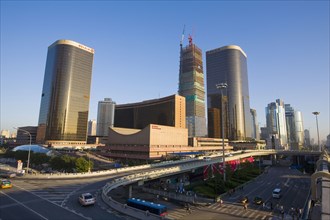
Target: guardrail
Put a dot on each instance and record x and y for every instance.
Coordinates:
(246, 153)
(103, 172)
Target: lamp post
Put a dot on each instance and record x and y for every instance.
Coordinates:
(222, 86)
(89, 162)
(317, 127)
(28, 162)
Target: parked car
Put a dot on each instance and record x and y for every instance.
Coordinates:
(8, 174)
(257, 200)
(5, 184)
(86, 199)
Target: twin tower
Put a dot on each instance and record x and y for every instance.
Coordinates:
(223, 65)
(66, 89)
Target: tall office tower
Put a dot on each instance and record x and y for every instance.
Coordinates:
(228, 65)
(191, 86)
(299, 128)
(255, 127)
(307, 141)
(264, 133)
(294, 125)
(65, 95)
(91, 130)
(290, 124)
(105, 116)
(276, 124)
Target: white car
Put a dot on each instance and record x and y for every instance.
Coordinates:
(86, 199)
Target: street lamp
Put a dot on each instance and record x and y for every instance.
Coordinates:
(28, 162)
(317, 127)
(89, 162)
(222, 86)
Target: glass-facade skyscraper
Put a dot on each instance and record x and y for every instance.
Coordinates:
(228, 65)
(191, 86)
(276, 124)
(65, 95)
(295, 127)
(105, 116)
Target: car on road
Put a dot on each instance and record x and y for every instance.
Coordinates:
(7, 174)
(277, 193)
(5, 184)
(244, 199)
(257, 200)
(86, 199)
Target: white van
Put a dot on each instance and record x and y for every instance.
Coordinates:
(277, 193)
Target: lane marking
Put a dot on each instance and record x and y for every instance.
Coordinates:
(24, 205)
(47, 200)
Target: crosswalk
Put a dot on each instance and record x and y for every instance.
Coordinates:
(52, 191)
(232, 209)
(179, 213)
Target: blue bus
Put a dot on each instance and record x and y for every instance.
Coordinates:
(154, 208)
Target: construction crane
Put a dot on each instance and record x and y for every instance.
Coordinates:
(182, 37)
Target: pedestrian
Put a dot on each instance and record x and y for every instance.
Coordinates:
(245, 206)
(263, 205)
(221, 202)
(300, 213)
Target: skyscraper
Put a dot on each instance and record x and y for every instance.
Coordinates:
(255, 127)
(276, 124)
(65, 95)
(228, 65)
(91, 130)
(295, 128)
(105, 116)
(307, 137)
(191, 86)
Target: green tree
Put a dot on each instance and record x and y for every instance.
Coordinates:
(64, 162)
(39, 158)
(83, 165)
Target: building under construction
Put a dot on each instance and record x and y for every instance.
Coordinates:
(191, 86)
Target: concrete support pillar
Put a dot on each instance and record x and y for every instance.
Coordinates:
(130, 191)
(314, 177)
(273, 158)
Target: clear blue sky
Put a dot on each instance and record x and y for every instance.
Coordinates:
(137, 50)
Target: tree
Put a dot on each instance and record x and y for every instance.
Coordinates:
(39, 158)
(83, 165)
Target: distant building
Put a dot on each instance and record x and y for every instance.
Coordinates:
(191, 86)
(327, 145)
(5, 133)
(255, 127)
(105, 116)
(307, 141)
(228, 64)
(276, 124)
(65, 95)
(23, 135)
(264, 133)
(91, 130)
(295, 129)
(168, 111)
